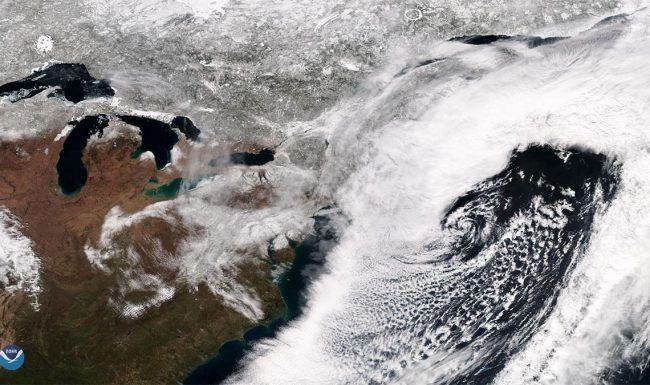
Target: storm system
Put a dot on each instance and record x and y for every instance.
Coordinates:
(303, 192)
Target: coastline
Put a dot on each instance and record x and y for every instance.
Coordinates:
(309, 255)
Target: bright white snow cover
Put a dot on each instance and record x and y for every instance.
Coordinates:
(44, 44)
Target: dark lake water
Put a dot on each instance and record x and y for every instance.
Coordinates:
(252, 159)
(187, 127)
(73, 81)
(245, 158)
(72, 172)
(157, 137)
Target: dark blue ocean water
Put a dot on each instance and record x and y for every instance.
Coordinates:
(308, 263)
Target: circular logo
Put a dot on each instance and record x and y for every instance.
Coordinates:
(11, 357)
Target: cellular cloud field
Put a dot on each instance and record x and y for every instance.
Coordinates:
(299, 192)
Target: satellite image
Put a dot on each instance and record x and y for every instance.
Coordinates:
(310, 192)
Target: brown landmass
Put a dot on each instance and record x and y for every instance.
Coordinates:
(256, 197)
(77, 336)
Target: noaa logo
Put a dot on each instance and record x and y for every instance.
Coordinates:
(11, 357)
